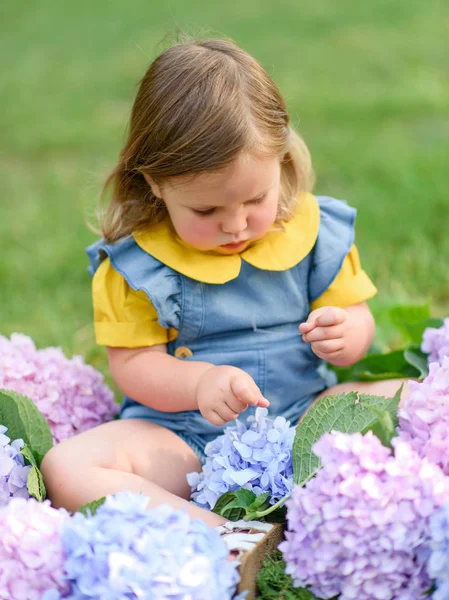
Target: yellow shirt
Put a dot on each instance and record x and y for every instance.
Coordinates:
(126, 318)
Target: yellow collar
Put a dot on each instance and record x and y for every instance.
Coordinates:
(276, 251)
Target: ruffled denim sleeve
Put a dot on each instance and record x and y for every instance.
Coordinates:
(142, 272)
(334, 241)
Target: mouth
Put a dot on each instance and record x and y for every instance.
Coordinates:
(235, 246)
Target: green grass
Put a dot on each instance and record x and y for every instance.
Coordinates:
(367, 82)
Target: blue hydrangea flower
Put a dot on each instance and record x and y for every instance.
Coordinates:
(13, 471)
(127, 551)
(257, 457)
(438, 565)
(361, 528)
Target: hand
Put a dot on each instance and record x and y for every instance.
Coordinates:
(223, 392)
(327, 329)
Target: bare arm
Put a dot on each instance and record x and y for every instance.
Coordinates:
(156, 379)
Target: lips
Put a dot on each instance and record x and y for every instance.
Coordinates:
(234, 246)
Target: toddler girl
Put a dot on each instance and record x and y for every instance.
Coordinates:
(214, 253)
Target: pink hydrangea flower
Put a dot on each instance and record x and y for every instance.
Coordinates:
(360, 528)
(31, 552)
(435, 342)
(424, 418)
(71, 395)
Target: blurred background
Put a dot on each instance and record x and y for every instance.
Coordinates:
(366, 83)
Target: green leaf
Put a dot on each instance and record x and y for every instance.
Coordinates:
(383, 427)
(260, 501)
(89, 509)
(24, 421)
(414, 356)
(416, 330)
(223, 501)
(341, 412)
(35, 484)
(273, 583)
(35, 481)
(412, 320)
(377, 367)
(234, 505)
(239, 506)
(404, 316)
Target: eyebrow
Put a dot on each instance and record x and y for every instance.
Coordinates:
(208, 207)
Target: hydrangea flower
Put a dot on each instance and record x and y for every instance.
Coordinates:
(424, 418)
(127, 551)
(438, 564)
(13, 471)
(257, 457)
(435, 342)
(31, 554)
(70, 394)
(361, 526)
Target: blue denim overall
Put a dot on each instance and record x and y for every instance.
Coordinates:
(250, 322)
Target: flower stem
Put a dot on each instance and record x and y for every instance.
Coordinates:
(264, 513)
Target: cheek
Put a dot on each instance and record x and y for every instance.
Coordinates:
(264, 217)
(196, 231)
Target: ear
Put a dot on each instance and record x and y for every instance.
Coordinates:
(155, 188)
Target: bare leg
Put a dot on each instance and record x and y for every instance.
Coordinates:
(129, 454)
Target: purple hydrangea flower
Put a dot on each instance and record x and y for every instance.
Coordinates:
(361, 526)
(435, 342)
(13, 471)
(129, 551)
(424, 418)
(31, 554)
(257, 457)
(438, 565)
(70, 394)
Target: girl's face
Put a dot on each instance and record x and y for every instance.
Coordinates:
(224, 210)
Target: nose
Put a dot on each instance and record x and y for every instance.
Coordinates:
(235, 222)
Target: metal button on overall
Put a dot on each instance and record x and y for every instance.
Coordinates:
(183, 352)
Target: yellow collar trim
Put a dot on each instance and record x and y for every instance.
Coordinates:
(276, 251)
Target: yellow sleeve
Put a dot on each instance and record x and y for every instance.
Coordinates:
(351, 286)
(123, 317)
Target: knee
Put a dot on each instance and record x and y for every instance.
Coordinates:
(58, 467)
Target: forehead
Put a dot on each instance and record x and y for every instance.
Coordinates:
(245, 178)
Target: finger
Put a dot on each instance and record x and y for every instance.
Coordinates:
(332, 316)
(306, 327)
(328, 356)
(215, 419)
(235, 404)
(246, 390)
(328, 346)
(334, 332)
(263, 402)
(225, 413)
(311, 319)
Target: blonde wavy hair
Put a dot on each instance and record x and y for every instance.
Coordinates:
(198, 106)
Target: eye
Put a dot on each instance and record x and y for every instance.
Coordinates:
(204, 213)
(258, 200)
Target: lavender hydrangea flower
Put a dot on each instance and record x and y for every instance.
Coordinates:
(31, 554)
(435, 342)
(257, 457)
(424, 418)
(13, 471)
(361, 526)
(70, 394)
(438, 565)
(127, 551)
